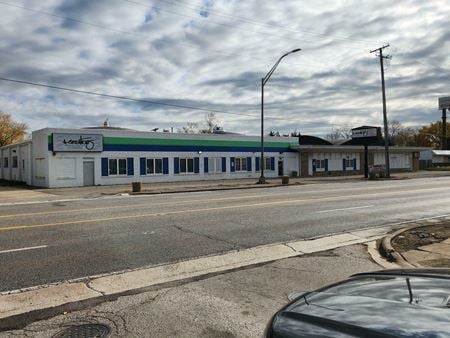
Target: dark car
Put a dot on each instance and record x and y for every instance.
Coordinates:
(388, 303)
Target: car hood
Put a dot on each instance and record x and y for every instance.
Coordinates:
(335, 315)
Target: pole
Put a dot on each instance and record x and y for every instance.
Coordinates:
(444, 129)
(262, 179)
(266, 78)
(383, 91)
(366, 160)
(386, 131)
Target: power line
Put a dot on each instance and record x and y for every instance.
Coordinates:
(79, 91)
(259, 23)
(120, 97)
(231, 25)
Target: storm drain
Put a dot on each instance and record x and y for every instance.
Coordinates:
(84, 331)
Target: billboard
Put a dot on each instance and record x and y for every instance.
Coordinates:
(444, 102)
(369, 132)
(78, 142)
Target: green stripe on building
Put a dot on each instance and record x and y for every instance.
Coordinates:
(186, 142)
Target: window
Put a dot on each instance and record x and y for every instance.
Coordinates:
(186, 165)
(350, 163)
(117, 166)
(15, 162)
(241, 163)
(267, 163)
(154, 166)
(320, 164)
(5, 162)
(214, 165)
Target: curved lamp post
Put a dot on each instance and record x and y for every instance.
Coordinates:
(264, 80)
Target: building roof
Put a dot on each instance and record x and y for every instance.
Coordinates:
(441, 152)
(313, 140)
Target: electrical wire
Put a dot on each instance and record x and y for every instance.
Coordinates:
(120, 97)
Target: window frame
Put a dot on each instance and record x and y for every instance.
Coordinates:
(5, 162)
(117, 167)
(187, 160)
(240, 164)
(15, 162)
(154, 160)
(216, 168)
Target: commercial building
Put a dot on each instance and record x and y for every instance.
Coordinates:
(105, 156)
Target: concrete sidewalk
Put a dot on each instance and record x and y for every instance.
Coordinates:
(25, 194)
(233, 304)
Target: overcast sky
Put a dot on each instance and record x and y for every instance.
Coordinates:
(211, 54)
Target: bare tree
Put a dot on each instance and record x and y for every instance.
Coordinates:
(206, 126)
(343, 132)
(11, 131)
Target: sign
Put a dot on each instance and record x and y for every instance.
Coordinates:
(444, 102)
(369, 132)
(77, 142)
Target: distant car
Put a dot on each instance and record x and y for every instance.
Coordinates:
(382, 304)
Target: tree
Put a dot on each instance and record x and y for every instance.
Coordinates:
(206, 126)
(432, 134)
(11, 131)
(343, 132)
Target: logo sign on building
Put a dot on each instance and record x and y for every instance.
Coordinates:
(360, 133)
(77, 142)
(444, 102)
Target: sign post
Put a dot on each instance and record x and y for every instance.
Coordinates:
(444, 104)
(366, 134)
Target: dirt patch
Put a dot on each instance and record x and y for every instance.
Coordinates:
(417, 237)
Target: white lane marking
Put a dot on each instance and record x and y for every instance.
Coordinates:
(343, 209)
(24, 249)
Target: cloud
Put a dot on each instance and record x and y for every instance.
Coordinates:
(213, 54)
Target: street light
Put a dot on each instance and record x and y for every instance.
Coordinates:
(264, 80)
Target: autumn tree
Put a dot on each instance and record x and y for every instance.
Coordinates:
(432, 134)
(11, 131)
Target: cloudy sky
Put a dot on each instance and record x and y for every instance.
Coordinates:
(211, 54)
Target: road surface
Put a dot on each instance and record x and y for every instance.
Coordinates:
(49, 242)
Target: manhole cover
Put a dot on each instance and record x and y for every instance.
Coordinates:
(84, 331)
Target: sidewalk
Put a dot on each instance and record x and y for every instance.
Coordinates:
(425, 246)
(234, 304)
(24, 194)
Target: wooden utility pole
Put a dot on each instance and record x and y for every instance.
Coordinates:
(385, 120)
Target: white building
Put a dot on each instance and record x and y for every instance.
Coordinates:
(435, 158)
(106, 156)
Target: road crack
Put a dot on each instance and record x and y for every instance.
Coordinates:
(220, 240)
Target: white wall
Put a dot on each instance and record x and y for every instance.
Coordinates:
(334, 161)
(66, 169)
(19, 170)
(40, 158)
(396, 160)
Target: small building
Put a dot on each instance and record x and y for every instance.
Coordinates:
(430, 158)
(105, 156)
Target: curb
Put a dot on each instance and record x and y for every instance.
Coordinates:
(19, 308)
(387, 251)
(254, 186)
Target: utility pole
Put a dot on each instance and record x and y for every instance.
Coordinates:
(385, 120)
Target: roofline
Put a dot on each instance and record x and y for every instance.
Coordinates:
(16, 144)
(354, 148)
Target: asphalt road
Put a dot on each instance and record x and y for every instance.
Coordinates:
(50, 242)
